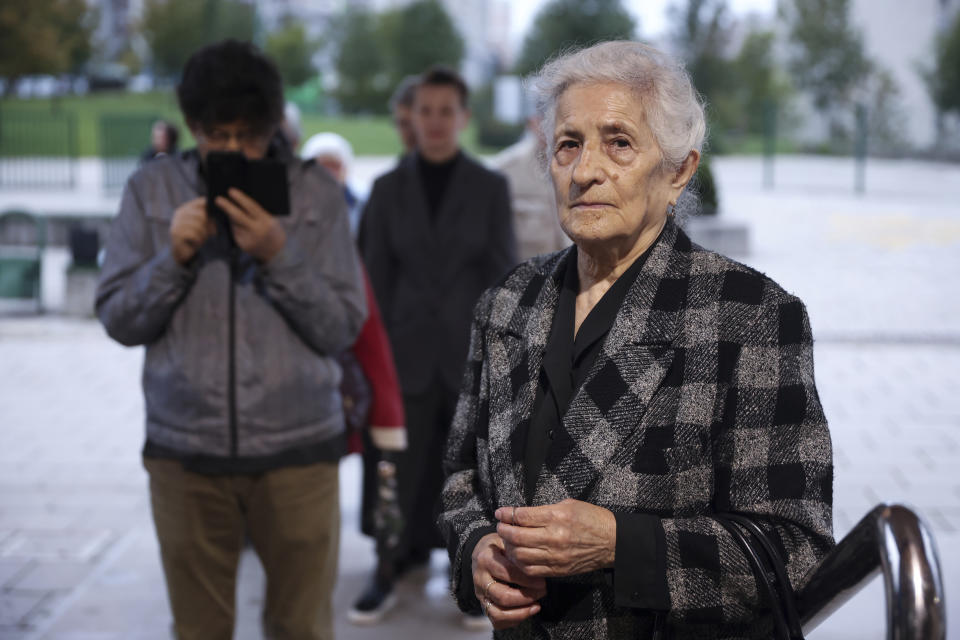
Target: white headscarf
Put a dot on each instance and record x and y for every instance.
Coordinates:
(328, 144)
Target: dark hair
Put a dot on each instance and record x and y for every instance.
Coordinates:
(405, 92)
(441, 76)
(230, 81)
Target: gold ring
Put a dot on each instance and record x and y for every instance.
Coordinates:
(514, 523)
(486, 588)
(486, 607)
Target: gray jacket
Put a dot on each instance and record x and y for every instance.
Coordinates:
(289, 317)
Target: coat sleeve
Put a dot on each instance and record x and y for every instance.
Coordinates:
(315, 280)
(140, 286)
(772, 462)
(465, 511)
(372, 350)
(375, 247)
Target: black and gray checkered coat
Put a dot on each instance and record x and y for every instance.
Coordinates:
(701, 401)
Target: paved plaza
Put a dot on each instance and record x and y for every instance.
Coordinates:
(880, 274)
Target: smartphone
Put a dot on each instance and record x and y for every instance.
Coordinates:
(263, 180)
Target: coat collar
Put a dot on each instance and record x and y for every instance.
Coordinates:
(608, 408)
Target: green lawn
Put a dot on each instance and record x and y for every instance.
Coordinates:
(41, 126)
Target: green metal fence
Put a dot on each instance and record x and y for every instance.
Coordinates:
(38, 150)
(123, 138)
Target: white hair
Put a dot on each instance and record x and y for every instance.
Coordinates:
(672, 108)
(328, 144)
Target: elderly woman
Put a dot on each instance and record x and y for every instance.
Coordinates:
(622, 392)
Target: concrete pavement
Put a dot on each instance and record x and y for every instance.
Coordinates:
(879, 275)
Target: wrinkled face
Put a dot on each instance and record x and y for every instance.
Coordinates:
(611, 185)
(403, 123)
(232, 136)
(438, 119)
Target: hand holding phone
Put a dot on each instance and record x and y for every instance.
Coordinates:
(254, 229)
(244, 196)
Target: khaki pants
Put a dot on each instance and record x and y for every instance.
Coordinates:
(292, 516)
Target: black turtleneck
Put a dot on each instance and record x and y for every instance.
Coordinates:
(435, 177)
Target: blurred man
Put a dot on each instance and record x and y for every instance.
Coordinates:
(436, 231)
(401, 106)
(241, 316)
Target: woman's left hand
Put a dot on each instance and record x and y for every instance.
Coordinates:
(561, 539)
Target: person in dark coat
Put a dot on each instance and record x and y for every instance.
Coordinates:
(624, 392)
(436, 231)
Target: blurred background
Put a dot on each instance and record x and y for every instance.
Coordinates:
(833, 165)
(79, 78)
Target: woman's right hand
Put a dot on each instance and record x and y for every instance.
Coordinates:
(507, 596)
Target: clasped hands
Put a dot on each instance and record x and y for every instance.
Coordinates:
(535, 543)
(254, 229)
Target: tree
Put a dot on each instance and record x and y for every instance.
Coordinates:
(362, 84)
(292, 51)
(760, 83)
(44, 37)
(374, 53)
(701, 34)
(417, 36)
(828, 59)
(943, 80)
(174, 29)
(562, 24)
(885, 114)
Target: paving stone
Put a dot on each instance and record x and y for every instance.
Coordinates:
(52, 576)
(14, 607)
(48, 545)
(952, 517)
(13, 632)
(38, 516)
(10, 569)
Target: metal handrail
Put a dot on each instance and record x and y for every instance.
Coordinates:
(895, 540)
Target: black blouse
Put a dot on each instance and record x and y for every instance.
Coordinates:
(568, 358)
(639, 575)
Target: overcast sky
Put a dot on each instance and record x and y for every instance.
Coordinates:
(651, 14)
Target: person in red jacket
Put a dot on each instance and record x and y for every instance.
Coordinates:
(383, 435)
(385, 429)
(373, 405)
